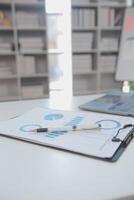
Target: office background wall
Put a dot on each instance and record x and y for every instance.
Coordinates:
(25, 53)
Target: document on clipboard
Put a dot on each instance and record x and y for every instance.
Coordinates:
(97, 143)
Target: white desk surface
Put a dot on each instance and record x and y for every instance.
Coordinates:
(33, 172)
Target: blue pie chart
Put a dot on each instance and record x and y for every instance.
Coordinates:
(109, 124)
(52, 117)
(29, 127)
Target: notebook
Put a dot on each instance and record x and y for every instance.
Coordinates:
(114, 102)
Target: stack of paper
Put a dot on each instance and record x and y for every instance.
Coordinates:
(31, 44)
(5, 70)
(5, 46)
(27, 19)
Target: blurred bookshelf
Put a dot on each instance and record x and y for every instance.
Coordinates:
(29, 37)
(32, 48)
(96, 31)
(23, 50)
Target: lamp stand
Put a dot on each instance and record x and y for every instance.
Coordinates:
(126, 87)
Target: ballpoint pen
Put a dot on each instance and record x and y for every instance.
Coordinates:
(67, 128)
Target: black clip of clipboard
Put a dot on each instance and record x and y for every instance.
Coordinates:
(124, 142)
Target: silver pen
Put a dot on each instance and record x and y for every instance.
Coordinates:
(67, 128)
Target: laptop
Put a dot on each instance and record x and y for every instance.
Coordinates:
(114, 102)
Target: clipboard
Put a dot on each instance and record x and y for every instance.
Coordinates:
(91, 143)
(124, 142)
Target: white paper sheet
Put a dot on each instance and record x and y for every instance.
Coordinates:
(96, 142)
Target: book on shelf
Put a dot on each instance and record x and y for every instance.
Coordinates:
(26, 18)
(110, 17)
(113, 2)
(106, 18)
(5, 1)
(108, 62)
(89, 18)
(8, 89)
(41, 63)
(5, 71)
(82, 41)
(3, 90)
(28, 2)
(74, 18)
(7, 66)
(30, 44)
(27, 65)
(83, 18)
(37, 40)
(33, 91)
(82, 63)
(83, 2)
(119, 17)
(5, 46)
(109, 43)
